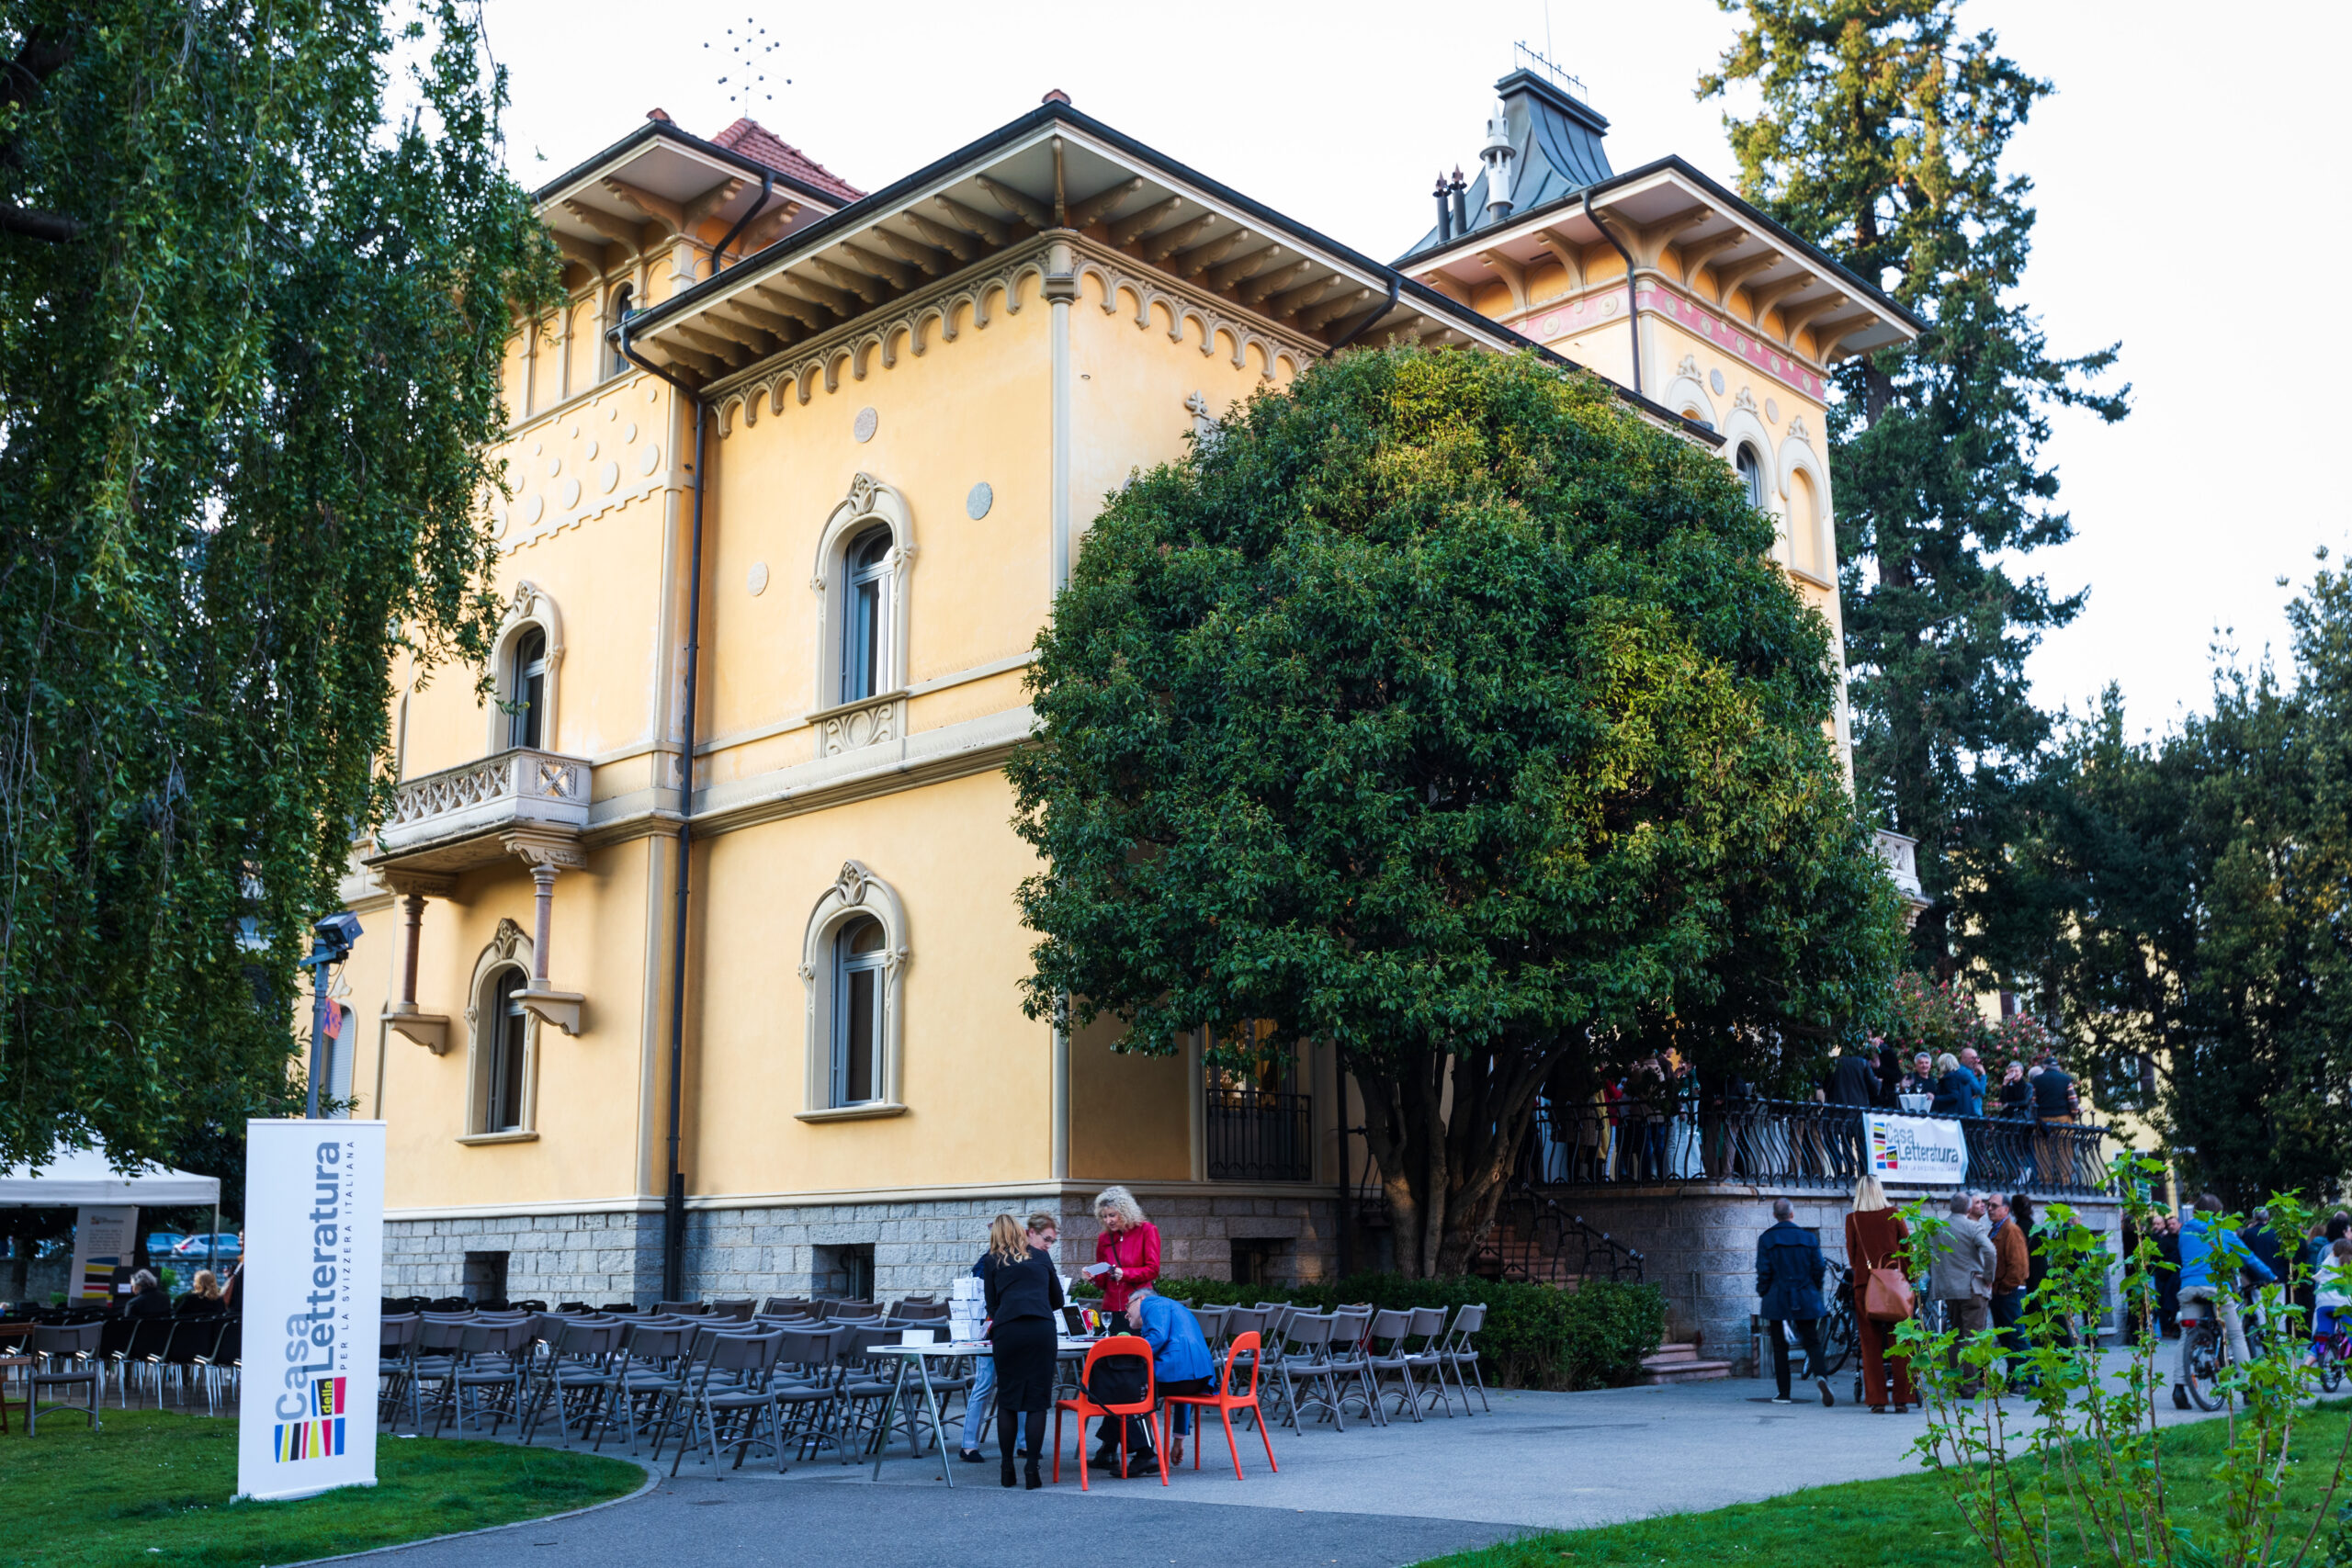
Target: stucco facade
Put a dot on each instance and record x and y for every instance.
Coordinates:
(909, 405)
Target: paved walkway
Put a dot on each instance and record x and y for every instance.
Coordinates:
(1357, 1499)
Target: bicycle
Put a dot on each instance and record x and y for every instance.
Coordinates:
(2330, 1351)
(1840, 1333)
(2208, 1350)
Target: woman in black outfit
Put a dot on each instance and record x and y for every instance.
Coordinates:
(1025, 1296)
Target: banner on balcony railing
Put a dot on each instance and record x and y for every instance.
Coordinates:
(313, 1306)
(1919, 1151)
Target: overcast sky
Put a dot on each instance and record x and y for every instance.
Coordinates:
(2191, 171)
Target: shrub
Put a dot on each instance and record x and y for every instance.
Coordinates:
(1537, 1336)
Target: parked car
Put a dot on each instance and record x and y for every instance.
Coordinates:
(221, 1245)
(162, 1242)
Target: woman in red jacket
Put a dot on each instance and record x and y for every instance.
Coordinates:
(1129, 1243)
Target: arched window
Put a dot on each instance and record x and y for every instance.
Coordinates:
(857, 1012)
(527, 708)
(624, 300)
(507, 1026)
(854, 961)
(865, 619)
(1752, 473)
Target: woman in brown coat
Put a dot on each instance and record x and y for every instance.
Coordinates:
(1874, 1237)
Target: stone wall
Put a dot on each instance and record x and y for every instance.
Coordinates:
(1698, 1245)
(802, 1249)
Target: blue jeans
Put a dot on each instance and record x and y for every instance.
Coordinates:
(978, 1400)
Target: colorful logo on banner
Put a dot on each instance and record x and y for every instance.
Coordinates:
(1886, 1158)
(322, 1437)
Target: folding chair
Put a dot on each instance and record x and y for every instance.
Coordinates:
(396, 1345)
(65, 1356)
(222, 1364)
(1429, 1327)
(1086, 1406)
(744, 1365)
(1347, 1363)
(143, 1348)
(1389, 1361)
(1225, 1401)
(1303, 1362)
(1459, 1355)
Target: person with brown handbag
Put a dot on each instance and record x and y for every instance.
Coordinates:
(1882, 1295)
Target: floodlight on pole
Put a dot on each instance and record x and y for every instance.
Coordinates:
(332, 939)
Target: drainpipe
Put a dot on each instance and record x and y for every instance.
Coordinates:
(1631, 324)
(718, 256)
(1379, 314)
(673, 1206)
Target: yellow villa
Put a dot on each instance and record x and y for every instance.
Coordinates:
(690, 960)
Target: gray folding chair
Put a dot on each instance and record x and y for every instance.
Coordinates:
(1428, 1356)
(1389, 1362)
(65, 1357)
(1459, 1355)
(734, 1390)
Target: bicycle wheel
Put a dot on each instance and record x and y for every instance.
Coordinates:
(2205, 1369)
(1838, 1335)
(2331, 1370)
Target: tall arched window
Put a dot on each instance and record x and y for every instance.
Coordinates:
(857, 1012)
(525, 724)
(1752, 473)
(624, 300)
(866, 620)
(508, 1031)
(1807, 550)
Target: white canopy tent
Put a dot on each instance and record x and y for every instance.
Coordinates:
(74, 1177)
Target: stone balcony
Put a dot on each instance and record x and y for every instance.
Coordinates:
(1902, 858)
(467, 816)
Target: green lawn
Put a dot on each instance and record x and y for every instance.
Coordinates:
(1864, 1524)
(153, 1487)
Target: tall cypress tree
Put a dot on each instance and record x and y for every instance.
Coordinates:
(1880, 137)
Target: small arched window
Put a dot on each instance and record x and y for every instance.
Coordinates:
(623, 301)
(1807, 550)
(1752, 473)
(866, 620)
(507, 1029)
(857, 1012)
(525, 724)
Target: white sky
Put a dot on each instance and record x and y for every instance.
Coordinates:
(2189, 170)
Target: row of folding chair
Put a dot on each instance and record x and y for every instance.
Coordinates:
(1360, 1356)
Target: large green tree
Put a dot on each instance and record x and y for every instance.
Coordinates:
(1444, 710)
(251, 319)
(1880, 135)
(2197, 888)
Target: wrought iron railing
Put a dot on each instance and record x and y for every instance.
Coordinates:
(1790, 1143)
(1254, 1135)
(1536, 1239)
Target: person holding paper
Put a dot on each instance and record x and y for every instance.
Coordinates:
(1024, 1297)
(1126, 1254)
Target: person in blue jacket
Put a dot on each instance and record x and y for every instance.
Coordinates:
(1181, 1362)
(2210, 1259)
(1787, 1276)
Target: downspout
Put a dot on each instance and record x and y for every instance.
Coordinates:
(1378, 314)
(673, 1205)
(1633, 323)
(718, 256)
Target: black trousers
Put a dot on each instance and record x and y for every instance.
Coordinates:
(1808, 1334)
(1024, 1382)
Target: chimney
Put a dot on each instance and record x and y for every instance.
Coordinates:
(1461, 203)
(1497, 154)
(1054, 95)
(1444, 213)
(659, 114)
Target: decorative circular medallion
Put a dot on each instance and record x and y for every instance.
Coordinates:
(612, 410)
(977, 503)
(498, 522)
(628, 432)
(1715, 381)
(650, 458)
(1609, 306)
(570, 493)
(1772, 410)
(555, 467)
(653, 394)
(590, 455)
(864, 428)
(576, 432)
(608, 477)
(533, 506)
(537, 448)
(757, 582)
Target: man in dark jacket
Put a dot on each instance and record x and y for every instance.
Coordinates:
(1787, 1276)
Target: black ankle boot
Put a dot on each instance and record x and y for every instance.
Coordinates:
(1005, 1476)
(1031, 1480)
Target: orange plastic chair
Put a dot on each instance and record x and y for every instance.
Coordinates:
(1086, 1410)
(1225, 1401)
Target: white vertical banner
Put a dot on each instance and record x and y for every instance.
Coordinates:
(104, 1240)
(313, 1304)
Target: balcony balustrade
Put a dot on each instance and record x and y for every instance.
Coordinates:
(458, 819)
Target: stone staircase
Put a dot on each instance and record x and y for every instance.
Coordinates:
(1681, 1363)
(1537, 1241)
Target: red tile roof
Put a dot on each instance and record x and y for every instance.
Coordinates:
(760, 144)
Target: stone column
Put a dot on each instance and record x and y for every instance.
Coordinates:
(547, 855)
(428, 1029)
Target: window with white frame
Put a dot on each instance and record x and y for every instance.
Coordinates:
(624, 300)
(528, 681)
(504, 1039)
(1752, 473)
(1808, 550)
(854, 961)
(863, 553)
(866, 620)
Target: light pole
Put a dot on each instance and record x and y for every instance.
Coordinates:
(330, 944)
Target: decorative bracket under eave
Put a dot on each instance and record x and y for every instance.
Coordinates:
(558, 1007)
